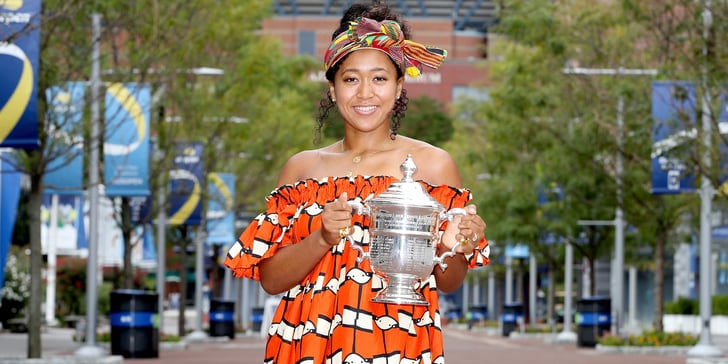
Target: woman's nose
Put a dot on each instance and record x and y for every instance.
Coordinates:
(365, 89)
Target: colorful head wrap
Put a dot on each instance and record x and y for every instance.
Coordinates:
(385, 36)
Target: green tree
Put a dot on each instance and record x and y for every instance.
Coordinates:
(160, 43)
(542, 126)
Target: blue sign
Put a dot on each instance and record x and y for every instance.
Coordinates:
(220, 214)
(64, 173)
(9, 197)
(517, 251)
(126, 146)
(19, 23)
(185, 185)
(673, 111)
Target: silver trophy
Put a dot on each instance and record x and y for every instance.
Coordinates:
(404, 229)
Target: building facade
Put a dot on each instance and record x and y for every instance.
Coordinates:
(460, 27)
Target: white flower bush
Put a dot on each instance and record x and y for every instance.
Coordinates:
(17, 281)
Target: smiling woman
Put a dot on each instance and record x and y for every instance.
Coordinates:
(298, 246)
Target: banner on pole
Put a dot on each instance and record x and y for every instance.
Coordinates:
(64, 174)
(185, 185)
(19, 55)
(9, 197)
(126, 143)
(70, 236)
(220, 211)
(673, 134)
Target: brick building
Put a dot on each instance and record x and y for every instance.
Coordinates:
(459, 26)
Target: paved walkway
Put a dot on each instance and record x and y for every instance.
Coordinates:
(461, 346)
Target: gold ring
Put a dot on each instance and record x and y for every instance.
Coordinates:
(344, 232)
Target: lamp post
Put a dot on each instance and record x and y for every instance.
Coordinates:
(90, 350)
(617, 294)
(200, 237)
(567, 335)
(705, 347)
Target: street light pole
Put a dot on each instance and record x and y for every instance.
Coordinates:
(90, 350)
(705, 347)
(567, 335)
(617, 295)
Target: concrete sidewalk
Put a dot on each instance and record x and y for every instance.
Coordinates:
(461, 346)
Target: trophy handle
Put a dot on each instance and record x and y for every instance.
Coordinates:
(360, 209)
(441, 259)
(448, 215)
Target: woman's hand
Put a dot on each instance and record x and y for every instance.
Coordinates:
(470, 230)
(336, 220)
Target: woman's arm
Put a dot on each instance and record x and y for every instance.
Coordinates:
(290, 264)
(442, 170)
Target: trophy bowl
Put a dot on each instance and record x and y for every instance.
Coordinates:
(404, 235)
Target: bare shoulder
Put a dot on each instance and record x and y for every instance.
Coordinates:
(434, 165)
(294, 169)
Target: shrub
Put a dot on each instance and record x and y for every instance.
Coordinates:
(16, 291)
(720, 304)
(71, 286)
(650, 338)
(683, 306)
(687, 306)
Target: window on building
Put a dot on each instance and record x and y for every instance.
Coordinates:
(307, 42)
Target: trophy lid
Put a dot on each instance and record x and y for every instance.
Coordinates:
(407, 191)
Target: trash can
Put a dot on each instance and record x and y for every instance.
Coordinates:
(510, 317)
(134, 324)
(593, 319)
(453, 314)
(222, 318)
(257, 318)
(478, 313)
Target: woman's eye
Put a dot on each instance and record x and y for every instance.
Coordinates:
(349, 79)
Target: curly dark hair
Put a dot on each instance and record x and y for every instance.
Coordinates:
(377, 11)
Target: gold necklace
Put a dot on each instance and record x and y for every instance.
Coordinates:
(358, 158)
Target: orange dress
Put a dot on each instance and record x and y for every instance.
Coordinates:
(329, 317)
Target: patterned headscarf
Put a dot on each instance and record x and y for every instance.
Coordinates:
(385, 36)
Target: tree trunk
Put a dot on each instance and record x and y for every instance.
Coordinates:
(36, 261)
(215, 289)
(592, 277)
(550, 298)
(126, 230)
(659, 279)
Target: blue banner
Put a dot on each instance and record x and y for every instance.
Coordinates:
(68, 231)
(144, 250)
(19, 24)
(185, 185)
(220, 214)
(140, 207)
(673, 133)
(64, 173)
(9, 196)
(126, 143)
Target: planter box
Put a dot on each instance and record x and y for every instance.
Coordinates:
(690, 324)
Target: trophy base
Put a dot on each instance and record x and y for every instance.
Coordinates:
(400, 291)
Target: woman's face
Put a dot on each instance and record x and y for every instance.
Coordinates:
(365, 88)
